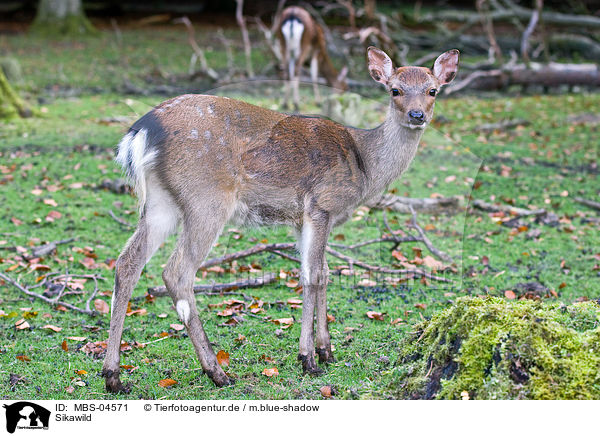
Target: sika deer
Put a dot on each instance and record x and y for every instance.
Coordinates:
(200, 161)
(301, 38)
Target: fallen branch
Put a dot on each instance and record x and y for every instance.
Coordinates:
(394, 239)
(221, 288)
(43, 250)
(55, 301)
(520, 13)
(258, 248)
(198, 52)
(421, 205)
(550, 75)
(439, 253)
(511, 210)
(588, 203)
(120, 220)
(274, 248)
(535, 15)
(416, 271)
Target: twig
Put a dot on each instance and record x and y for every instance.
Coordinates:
(245, 38)
(198, 52)
(119, 220)
(417, 272)
(91, 297)
(488, 24)
(43, 298)
(535, 15)
(43, 250)
(221, 288)
(470, 78)
(156, 340)
(286, 256)
(394, 239)
(259, 248)
(439, 253)
(588, 203)
(347, 4)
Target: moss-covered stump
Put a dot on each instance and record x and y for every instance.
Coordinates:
(10, 102)
(497, 349)
(61, 18)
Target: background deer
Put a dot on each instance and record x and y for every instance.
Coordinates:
(200, 161)
(301, 38)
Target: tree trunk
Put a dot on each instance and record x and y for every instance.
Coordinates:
(10, 103)
(61, 17)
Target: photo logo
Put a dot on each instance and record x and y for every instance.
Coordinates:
(26, 415)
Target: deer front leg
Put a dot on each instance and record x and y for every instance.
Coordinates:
(314, 76)
(315, 231)
(323, 340)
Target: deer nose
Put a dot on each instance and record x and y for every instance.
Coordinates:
(416, 117)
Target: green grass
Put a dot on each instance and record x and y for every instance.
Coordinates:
(70, 147)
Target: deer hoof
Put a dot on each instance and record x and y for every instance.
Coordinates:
(309, 366)
(325, 355)
(219, 378)
(113, 383)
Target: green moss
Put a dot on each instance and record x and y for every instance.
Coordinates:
(497, 349)
(10, 103)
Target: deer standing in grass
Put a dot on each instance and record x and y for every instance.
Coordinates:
(200, 161)
(300, 39)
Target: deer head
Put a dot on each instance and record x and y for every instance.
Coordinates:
(412, 89)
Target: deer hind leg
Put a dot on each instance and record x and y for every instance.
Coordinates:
(314, 76)
(157, 222)
(315, 232)
(323, 339)
(199, 234)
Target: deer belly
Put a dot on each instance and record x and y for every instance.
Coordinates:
(261, 214)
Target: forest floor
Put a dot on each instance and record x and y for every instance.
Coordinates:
(53, 169)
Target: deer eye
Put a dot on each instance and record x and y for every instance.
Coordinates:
(395, 92)
(433, 92)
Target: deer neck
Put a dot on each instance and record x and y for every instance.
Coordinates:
(387, 151)
(327, 69)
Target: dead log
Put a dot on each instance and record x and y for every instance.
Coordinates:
(522, 14)
(548, 75)
(588, 203)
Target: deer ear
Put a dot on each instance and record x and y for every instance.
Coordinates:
(380, 65)
(445, 66)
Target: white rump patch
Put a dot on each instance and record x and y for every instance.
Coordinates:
(183, 310)
(292, 31)
(134, 159)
